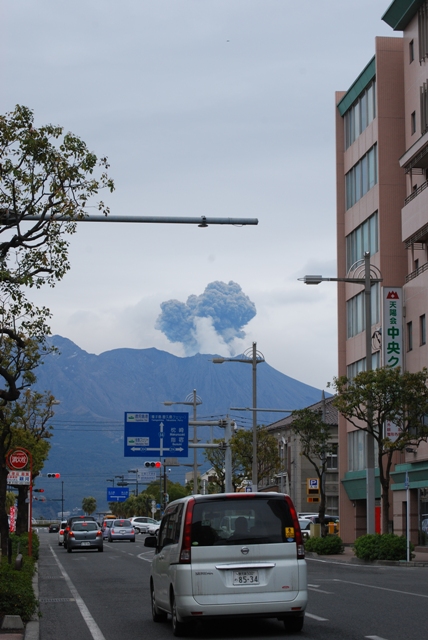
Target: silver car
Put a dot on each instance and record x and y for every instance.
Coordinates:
(235, 555)
(141, 523)
(84, 535)
(121, 530)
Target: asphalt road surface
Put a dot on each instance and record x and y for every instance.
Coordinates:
(105, 596)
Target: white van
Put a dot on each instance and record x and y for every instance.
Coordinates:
(236, 554)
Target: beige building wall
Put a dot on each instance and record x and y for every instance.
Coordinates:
(386, 197)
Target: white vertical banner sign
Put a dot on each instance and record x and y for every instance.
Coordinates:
(392, 341)
(392, 327)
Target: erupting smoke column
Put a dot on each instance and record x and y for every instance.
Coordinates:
(206, 322)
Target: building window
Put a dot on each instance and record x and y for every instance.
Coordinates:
(355, 311)
(423, 31)
(362, 177)
(332, 458)
(363, 238)
(360, 365)
(332, 505)
(409, 336)
(413, 123)
(423, 91)
(422, 329)
(360, 114)
(411, 51)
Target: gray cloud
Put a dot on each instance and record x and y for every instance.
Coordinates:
(214, 317)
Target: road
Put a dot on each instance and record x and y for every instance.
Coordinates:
(105, 596)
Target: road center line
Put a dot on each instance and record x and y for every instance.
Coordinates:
(314, 617)
(372, 586)
(94, 629)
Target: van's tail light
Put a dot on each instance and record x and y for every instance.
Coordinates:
(297, 531)
(185, 551)
(61, 532)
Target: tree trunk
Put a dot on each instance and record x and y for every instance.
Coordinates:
(22, 519)
(4, 525)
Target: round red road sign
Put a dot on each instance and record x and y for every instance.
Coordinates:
(18, 459)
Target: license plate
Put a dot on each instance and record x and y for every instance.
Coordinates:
(85, 544)
(245, 577)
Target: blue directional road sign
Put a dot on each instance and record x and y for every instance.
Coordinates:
(154, 435)
(117, 494)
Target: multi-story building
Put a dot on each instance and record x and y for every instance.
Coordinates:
(382, 207)
(296, 470)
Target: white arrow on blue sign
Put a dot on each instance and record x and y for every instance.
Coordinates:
(156, 434)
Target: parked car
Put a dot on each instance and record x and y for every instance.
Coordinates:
(141, 523)
(305, 527)
(201, 569)
(53, 527)
(70, 521)
(84, 535)
(121, 530)
(62, 526)
(153, 529)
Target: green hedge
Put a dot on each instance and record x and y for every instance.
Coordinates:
(16, 589)
(385, 546)
(329, 545)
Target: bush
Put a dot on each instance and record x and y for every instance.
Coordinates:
(328, 545)
(21, 541)
(386, 546)
(16, 591)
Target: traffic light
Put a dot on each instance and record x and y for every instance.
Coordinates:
(157, 465)
(38, 490)
(53, 475)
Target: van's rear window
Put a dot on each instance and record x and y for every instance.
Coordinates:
(238, 521)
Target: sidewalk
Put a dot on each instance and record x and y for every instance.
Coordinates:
(419, 558)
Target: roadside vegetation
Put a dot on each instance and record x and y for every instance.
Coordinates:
(16, 591)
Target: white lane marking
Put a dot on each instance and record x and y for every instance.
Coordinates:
(313, 585)
(311, 615)
(374, 637)
(372, 586)
(320, 590)
(94, 629)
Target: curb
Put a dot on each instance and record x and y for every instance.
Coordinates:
(368, 563)
(32, 628)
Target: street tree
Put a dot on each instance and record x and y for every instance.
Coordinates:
(268, 460)
(89, 505)
(47, 179)
(217, 480)
(376, 397)
(315, 445)
(31, 416)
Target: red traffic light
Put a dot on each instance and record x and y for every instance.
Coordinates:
(157, 465)
(53, 475)
(38, 490)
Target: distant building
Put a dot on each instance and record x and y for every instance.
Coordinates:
(296, 469)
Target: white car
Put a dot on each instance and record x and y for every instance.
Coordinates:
(62, 526)
(230, 555)
(141, 523)
(153, 529)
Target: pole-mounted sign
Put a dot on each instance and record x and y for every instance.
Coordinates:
(17, 459)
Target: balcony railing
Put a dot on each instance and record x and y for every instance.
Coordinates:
(417, 272)
(415, 193)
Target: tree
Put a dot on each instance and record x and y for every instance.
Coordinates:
(89, 505)
(31, 416)
(314, 435)
(268, 461)
(374, 397)
(216, 458)
(47, 178)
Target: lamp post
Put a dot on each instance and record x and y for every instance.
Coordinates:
(191, 400)
(253, 357)
(366, 274)
(136, 479)
(110, 480)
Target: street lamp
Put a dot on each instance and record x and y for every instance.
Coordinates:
(110, 480)
(136, 479)
(191, 400)
(253, 357)
(366, 274)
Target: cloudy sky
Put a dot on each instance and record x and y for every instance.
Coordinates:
(222, 108)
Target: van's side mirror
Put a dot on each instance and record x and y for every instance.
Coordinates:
(151, 541)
